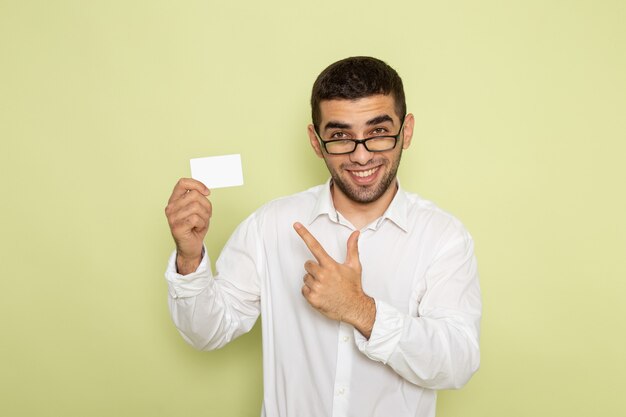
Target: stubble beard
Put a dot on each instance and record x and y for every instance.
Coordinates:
(365, 194)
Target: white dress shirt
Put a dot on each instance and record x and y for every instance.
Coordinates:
(418, 265)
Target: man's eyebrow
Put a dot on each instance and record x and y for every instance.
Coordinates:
(336, 125)
(379, 119)
(341, 125)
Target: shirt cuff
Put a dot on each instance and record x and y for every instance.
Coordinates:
(190, 285)
(386, 333)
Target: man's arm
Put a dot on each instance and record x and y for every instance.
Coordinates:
(436, 350)
(209, 311)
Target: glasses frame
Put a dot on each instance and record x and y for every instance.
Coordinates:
(361, 141)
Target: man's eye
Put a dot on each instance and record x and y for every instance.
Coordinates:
(339, 135)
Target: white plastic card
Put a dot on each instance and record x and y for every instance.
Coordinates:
(218, 171)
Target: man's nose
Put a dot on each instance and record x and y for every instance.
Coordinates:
(361, 155)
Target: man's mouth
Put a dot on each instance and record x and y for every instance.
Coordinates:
(364, 174)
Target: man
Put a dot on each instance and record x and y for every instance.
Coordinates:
(369, 294)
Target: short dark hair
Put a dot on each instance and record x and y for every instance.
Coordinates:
(357, 77)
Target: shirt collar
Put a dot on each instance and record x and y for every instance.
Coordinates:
(324, 204)
(397, 211)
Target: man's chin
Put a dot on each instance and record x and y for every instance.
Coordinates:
(362, 194)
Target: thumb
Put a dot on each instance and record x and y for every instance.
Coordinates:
(352, 257)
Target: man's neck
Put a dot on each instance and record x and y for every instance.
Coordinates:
(362, 214)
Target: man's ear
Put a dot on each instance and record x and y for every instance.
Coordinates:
(409, 124)
(315, 144)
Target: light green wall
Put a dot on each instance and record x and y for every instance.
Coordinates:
(521, 132)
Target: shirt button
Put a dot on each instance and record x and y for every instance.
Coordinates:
(341, 391)
(346, 338)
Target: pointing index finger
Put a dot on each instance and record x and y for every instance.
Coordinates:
(314, 246)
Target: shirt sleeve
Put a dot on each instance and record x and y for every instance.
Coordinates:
(211, 310)
(439, 348)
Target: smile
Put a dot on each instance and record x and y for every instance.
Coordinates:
(363, 174)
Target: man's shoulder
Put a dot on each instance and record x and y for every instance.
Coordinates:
(417, 203)
(422, 210)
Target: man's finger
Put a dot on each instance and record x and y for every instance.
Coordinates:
(309, 280)
(312, 268)
(306, 291)
(314, 246)
(352, 256)
(186, 184)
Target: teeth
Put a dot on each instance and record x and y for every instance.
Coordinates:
(363, 174)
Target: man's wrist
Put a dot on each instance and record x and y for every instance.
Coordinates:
(365, 316)
(186, 265)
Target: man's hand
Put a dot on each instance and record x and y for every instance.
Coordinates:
(188, 213)
(334, 289)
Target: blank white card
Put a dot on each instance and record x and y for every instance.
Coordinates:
(218, 171)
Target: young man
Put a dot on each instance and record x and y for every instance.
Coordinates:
(369, 294)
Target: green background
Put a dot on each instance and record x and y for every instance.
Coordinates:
(520, 132)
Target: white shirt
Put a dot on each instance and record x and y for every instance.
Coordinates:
(418, 265)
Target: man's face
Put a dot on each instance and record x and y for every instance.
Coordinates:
(362, 176)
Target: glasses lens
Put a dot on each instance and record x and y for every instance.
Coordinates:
(381, 144)
(339, 146)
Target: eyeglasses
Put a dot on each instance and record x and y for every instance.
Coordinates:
(373, 144)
